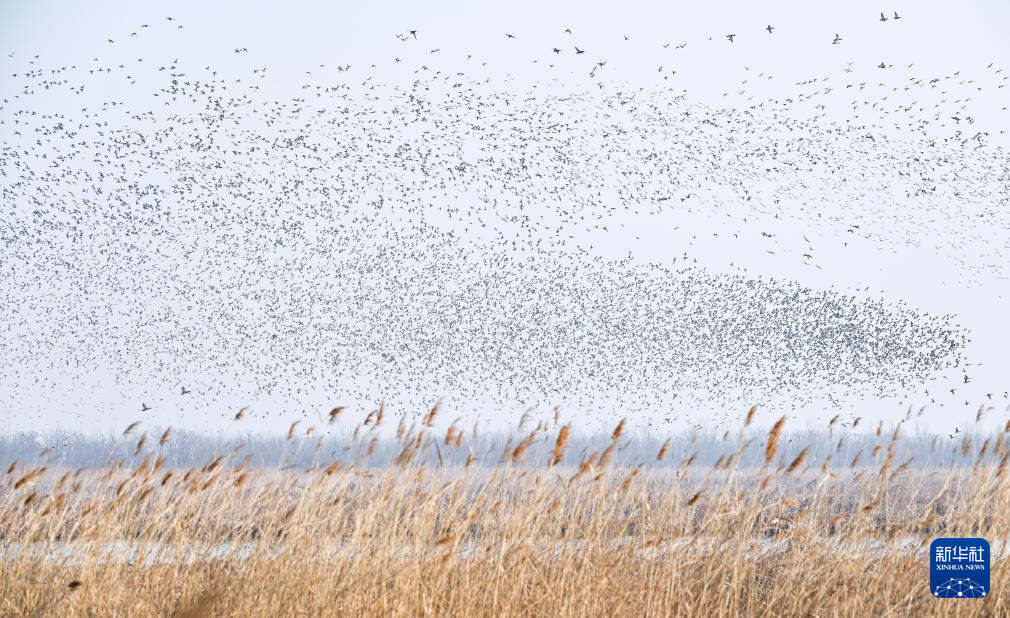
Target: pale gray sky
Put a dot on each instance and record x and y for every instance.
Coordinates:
(938, 39)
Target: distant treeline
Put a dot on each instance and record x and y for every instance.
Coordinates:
(184, 449)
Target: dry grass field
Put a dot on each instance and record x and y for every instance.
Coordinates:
(528, 529)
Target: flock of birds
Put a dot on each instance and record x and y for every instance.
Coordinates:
(446, 235)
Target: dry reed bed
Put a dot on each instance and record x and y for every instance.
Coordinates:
(499, 535)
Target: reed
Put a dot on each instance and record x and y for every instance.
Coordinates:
(449, 524)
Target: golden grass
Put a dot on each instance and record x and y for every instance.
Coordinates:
(499, 536)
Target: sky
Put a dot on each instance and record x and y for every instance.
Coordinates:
(292, 40)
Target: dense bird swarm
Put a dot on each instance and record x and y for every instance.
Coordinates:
(441, 233)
